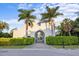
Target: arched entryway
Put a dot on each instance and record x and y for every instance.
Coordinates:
(39, 36)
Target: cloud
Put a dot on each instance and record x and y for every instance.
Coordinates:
(21, 6)
(67, 9)
(24, 6)
(39, 10)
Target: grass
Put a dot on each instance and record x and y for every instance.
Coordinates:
(13, 47)
(66, 46)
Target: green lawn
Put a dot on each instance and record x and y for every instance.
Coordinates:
(14, 47)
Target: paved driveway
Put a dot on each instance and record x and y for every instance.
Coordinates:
(39, 50)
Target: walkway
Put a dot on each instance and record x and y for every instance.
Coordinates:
(39, 46)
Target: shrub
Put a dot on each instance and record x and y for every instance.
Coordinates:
(22, 41)
(59, 40)
(4, 41)
(5, 35)
(16, 41)
(29, 41)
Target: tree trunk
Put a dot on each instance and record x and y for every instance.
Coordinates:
(69, 33)
(60, 33)
(52, 27)
(26, 30)
(46, 25)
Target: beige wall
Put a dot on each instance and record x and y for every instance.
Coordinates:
(31, 31)
(19, 32)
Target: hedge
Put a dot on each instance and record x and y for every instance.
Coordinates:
(4, 41)
(60, 40)
(29, 41)
(16, 41)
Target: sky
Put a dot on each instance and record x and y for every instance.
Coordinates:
(9, 12)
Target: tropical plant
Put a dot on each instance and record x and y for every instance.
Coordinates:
(77, 22)
(28, 17)
(3, 25)
(66, 26)
(59, 30)
(5, 35)
(49, 15)
(76, 26)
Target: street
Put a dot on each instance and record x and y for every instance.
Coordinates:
(39, 52)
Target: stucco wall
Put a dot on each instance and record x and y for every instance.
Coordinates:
(31, 30)
(19, 32)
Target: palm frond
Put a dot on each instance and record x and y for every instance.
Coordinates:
(25, 14)
(32, 17)
(47, 8)
(55, 9)
(21, 18)
(4, 25)
(51, 13)
(57, 14)
(30, 11)
(44, 16)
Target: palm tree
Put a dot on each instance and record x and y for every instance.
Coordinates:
(77, 22)
(67, 26)
(28, 17)
(59, 28)
(3, 25)
(76, 26)
(49, 15)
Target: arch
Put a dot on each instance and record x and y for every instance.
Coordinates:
(39, 39)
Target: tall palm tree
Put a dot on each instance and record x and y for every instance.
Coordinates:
(3, 25)
(49, 15)
(67, 26)
(28, 17)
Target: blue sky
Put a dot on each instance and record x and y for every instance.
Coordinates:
(9, 11)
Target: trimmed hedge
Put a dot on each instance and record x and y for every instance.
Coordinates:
(29, 41)
(16, 41)
(60, 40)
(4, 41)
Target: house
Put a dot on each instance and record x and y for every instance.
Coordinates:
(35, 31)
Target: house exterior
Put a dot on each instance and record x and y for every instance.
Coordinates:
(32, 31)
